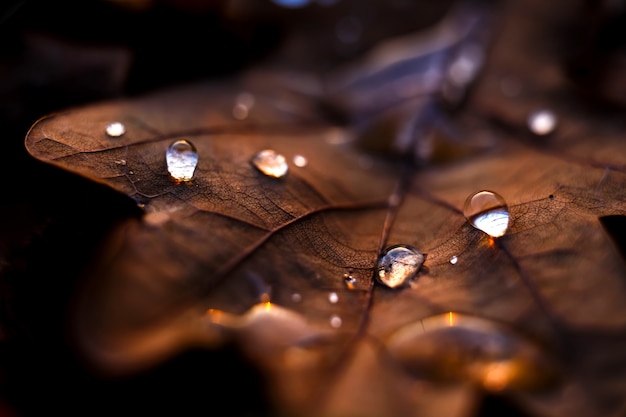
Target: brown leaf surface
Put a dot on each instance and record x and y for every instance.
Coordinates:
(237, 256)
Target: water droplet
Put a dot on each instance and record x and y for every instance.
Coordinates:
(335, 321)
(454, 260)
(243, 104)
(333, 297)
(487, 211)
(398, 264)
(270, 163)
(181, 158)
(350, 281)
(115, 129)
(542, 122)
(240, 112)
(300, 161)
(453, 346)
(296, 297)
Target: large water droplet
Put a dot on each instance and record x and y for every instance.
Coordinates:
(452, 347)
(115, 129)
(270, 163)
(398, 264)
(487, 211)
(542, 122)
(181, 158)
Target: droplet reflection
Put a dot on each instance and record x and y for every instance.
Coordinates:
(181, 158)
(487, 211)
(115, 129)
(398, 265)
(270, 163)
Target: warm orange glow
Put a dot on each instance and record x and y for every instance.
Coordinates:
(498, 376)
(268, 305)
(215, 315)
(450, 319)
(492, 242)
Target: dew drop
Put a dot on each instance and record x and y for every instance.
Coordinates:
(115, 129)
(240, 112)
(300, 161)
(243, 104)
(333, 297)
(454, 260)
(487, 211)
(542, 122)
(296, 297)
(398, 264)
(181, 158)
(335, 321)
(270, 163)
(350, 281)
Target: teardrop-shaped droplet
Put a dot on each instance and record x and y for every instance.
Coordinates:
(542, 122)
(181, 158)
(454, 347)
(487, 211)
(270, 163)
(398, 265)
(115, 129)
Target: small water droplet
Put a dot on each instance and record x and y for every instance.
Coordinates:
(121, 162)
(243, 104)
(270, 163)
(115, 129)
(296, 297)
(398, 264)
(454, 260)
(240, 112)
(350, 281)
(181, 158)
(333, 297)
(542, 122)
(300, 161)
(487, 211)
(335, 321)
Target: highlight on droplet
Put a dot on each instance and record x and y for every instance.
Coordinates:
(181, 159)
(270, 163)
(487, 211)
(398, 264)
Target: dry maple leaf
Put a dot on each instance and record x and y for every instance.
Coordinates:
(284, 266)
